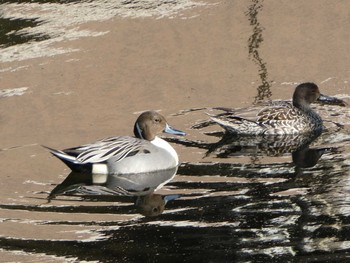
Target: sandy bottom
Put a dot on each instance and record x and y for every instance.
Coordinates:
(206, 54)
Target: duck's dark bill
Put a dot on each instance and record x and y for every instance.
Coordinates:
(171, 130)
(331, 100)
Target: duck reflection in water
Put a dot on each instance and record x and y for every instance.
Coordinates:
(235, 145)
(297, 145)
(139, 187)
(272, 145)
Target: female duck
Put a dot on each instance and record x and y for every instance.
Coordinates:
(280, 117)
(145, 152)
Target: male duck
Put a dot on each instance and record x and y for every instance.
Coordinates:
(280, 117)
(125, 154)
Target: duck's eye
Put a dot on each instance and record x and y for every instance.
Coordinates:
(157, 120)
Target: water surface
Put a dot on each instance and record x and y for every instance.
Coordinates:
(76, 71)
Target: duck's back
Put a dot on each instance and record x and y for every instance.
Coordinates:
(284, 118)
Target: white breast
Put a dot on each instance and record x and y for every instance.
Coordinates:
(166, 146)
(158, 155)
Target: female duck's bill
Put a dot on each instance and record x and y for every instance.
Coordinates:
(324, 99)
(280, 117)
(146, 152)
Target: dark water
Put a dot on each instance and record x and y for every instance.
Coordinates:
(11, 29)
(10, 32)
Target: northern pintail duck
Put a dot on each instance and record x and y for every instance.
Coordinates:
(146, 152)
(280, 117)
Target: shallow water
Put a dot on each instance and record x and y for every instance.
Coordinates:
(76, 71)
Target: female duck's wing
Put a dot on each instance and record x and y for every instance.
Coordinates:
(113, 147)
(278, 113)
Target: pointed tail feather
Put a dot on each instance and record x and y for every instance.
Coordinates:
(228, 125)
(61, 155)
(69, 160)
(239, 125)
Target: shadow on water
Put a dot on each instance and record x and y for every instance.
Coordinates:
(10, 31)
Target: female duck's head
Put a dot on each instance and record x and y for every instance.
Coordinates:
(307, 93)
(151, 123)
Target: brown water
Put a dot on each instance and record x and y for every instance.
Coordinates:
(75, 72)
